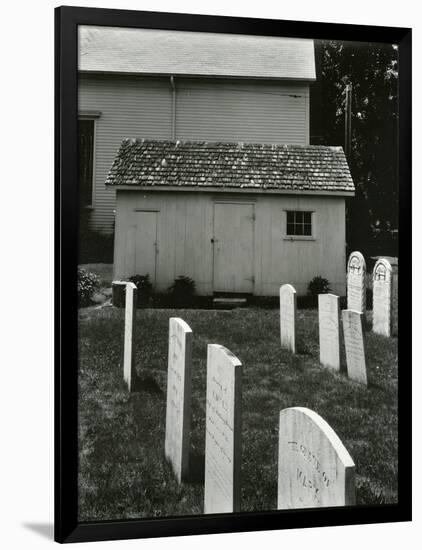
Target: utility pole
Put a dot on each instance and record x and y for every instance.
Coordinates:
(348, 123)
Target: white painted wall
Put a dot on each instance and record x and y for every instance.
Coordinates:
(185, 227)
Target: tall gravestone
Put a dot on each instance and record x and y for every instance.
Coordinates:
(354, 345)
(329, 330)
(129, 335)
(356, 282)
(288, 308)
(382, 298)
(223, 431)
(178, 397)
(314, 468)
(395, 301)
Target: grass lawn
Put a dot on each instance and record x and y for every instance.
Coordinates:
(122, 471)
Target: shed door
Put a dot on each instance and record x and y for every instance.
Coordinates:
(146, 245)
(233, 247)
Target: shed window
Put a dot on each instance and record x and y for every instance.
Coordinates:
(86, 160)
(299, 223)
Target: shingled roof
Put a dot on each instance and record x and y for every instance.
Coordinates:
(233, 166)
(163, 52)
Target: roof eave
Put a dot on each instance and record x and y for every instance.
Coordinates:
(214, 189)
(197, 75)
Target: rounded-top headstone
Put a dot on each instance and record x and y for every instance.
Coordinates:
(356, 282)
(315, 469)
(382, 297)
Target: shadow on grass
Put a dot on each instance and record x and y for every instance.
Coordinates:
(196, 468)
(147, 384)
(374, 386)
(303, 350)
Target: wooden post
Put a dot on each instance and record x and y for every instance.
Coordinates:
(348, 123)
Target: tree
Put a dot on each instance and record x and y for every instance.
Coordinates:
(371, 68)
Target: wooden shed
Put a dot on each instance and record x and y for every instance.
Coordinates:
(235, 217)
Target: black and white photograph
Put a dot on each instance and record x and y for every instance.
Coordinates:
(208, 317)
(232, 202)
(238, 273)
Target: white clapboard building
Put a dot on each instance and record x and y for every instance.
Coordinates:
(195, 149)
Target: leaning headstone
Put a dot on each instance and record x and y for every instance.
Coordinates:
(129, 336)
(223, 431)
(314, 467)
(356, 282)
(288, 308)
(354, 345)
(178, 397)
(329, 330)
(382, 297)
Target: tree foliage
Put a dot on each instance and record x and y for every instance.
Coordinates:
(372, 69)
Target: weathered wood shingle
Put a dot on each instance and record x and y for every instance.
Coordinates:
(231, 165)
(155, 51)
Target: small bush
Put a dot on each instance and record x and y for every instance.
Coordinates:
(88, 284)
(144, 287)
(318, 285)
(182, 291)
(94, 247)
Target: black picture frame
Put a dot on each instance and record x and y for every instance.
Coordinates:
(67, 528)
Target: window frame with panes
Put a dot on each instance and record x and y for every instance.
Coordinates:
(299, 224)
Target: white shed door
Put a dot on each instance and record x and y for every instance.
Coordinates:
(146, 245)
(233, 247)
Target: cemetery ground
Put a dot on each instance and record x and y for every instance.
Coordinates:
(122, 469)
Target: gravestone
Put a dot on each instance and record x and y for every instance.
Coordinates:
(382, 297)
(329, 331)
(178, 397)
(129, 336)
(223, 431)
(356, 282)
(354, 345)
(314, 468)
(395, 301)
(288, 308)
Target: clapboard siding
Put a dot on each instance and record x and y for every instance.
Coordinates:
(185, 230)
(237, 110)
(130, 107)
(206, 109)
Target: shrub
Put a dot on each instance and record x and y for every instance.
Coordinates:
(94, 247)
(144, 287)
(88, 283)
(318, 285)
(182, 291)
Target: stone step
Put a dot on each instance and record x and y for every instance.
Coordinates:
(229, 303)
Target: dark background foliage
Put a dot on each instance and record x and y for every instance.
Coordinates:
(372, 69)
